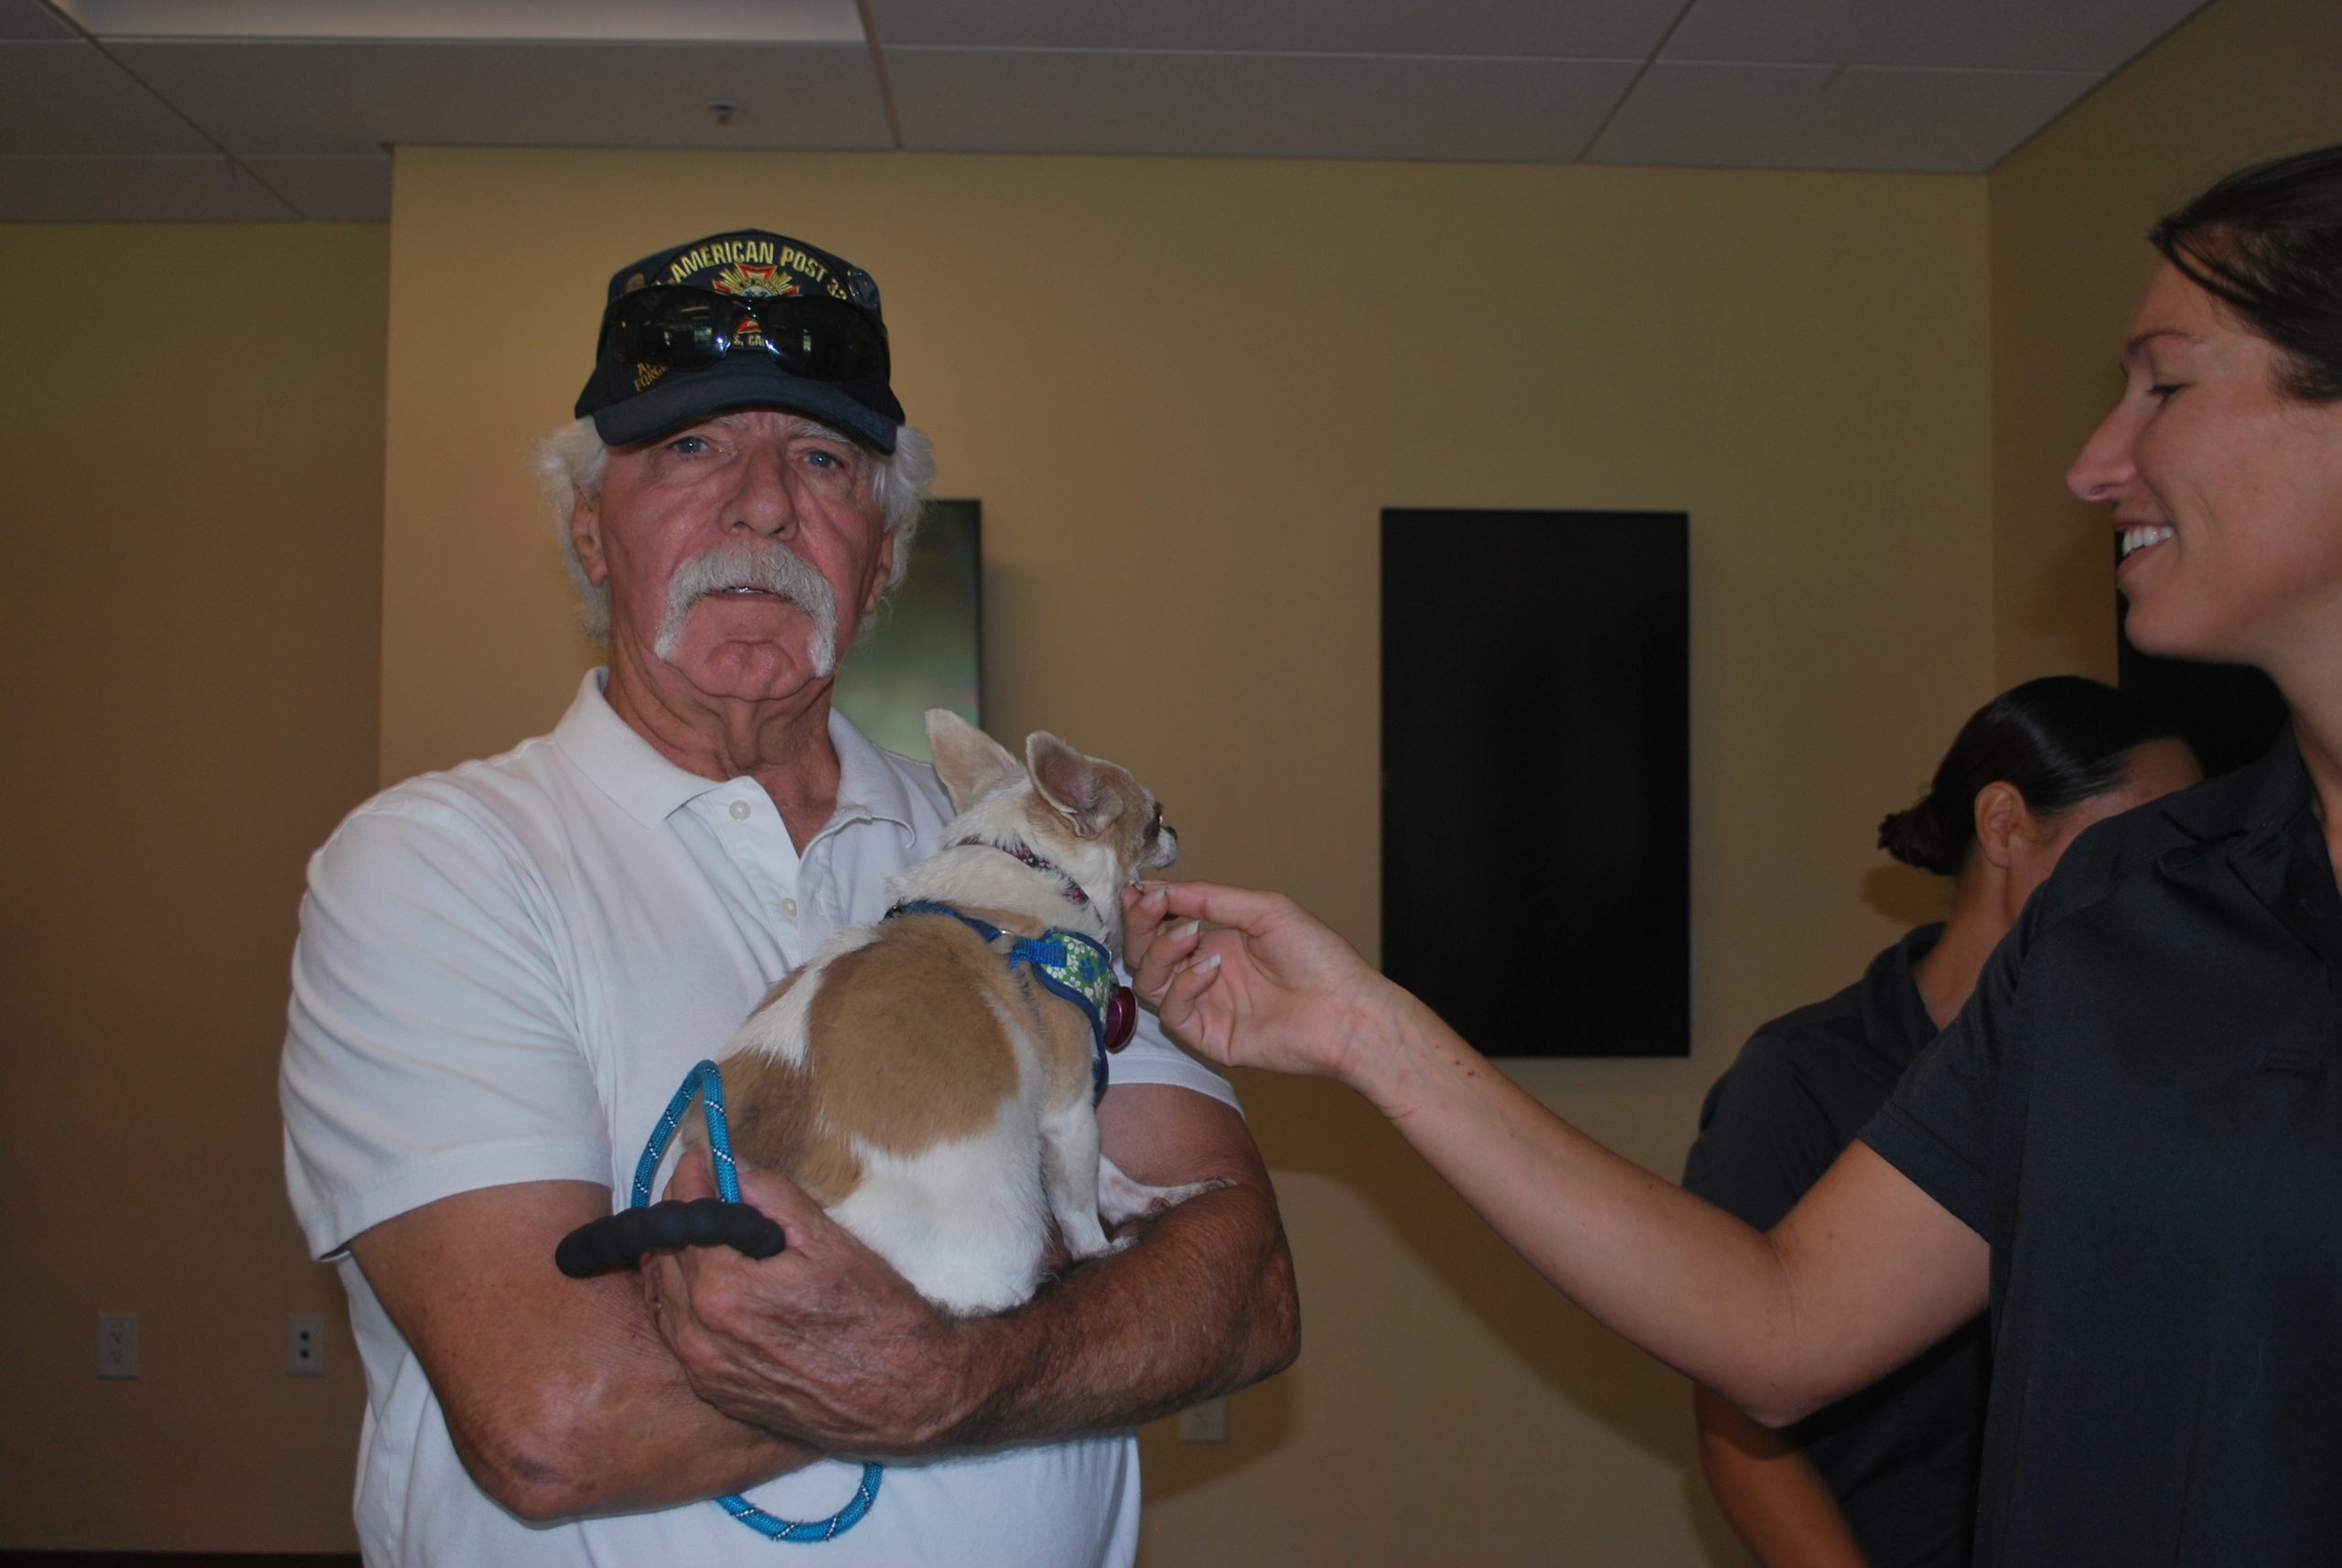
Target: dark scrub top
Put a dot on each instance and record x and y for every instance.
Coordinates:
(1901, 1456)
(2141, 1111)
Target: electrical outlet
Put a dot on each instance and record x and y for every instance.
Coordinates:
(305, 1345)
(117, 1344)
(1205, 1422)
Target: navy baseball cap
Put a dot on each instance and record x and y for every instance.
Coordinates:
(738, 320)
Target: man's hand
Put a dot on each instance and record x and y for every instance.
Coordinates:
(824, 1342)
(828, 1346)
(1273, 988)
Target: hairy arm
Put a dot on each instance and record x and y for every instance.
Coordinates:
(560, 1397)
(1774, 1498)
(825, 1342)
(1864, 1273)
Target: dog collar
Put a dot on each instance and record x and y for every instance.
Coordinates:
(1073, 890)
(1068, 964)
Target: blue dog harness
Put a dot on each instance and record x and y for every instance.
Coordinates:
(1065, 963)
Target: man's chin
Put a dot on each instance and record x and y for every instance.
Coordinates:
(753, 669)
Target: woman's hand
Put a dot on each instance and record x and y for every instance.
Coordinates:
(1273, 989)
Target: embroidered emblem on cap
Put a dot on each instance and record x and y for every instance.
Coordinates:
(753, 282)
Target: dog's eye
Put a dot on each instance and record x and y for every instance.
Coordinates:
(1154, 824)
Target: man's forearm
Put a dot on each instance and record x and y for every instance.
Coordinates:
(1209, 1281)
(558, 1395)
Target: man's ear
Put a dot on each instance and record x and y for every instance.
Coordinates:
(883, 569)
(586, 536)
(2001, 820)
(1067, 780)
(969, 762)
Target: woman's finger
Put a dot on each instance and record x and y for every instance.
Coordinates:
(1168, 949)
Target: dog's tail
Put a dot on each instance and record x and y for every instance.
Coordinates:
(624, 1239)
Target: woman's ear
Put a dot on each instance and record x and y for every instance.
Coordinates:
(2002, 819)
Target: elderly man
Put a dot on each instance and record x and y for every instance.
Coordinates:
(504, 971)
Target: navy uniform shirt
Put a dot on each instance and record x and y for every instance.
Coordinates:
(2141, 1111)
(1901, 1456)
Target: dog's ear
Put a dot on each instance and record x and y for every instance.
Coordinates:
(1070, 781)
(969, 762)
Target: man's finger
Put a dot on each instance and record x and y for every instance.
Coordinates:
(695, 1176)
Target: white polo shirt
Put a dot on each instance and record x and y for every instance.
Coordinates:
(503, 973)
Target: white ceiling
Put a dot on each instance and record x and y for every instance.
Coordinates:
(226, 110)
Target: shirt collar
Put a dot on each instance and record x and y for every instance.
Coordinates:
(1895, 1015)
(2267, 793)
(2260, 816)
(651, 789)
(621, 762)
(870, 789)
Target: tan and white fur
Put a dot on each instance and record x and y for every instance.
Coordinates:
(935, 1102)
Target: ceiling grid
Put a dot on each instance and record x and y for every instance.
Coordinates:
(260, 110)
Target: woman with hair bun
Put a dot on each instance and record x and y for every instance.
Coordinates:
(2128, 1145)
(1886, 1477)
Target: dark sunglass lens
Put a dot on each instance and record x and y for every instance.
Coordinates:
(689, 329)
(678, 328)
(823, 339)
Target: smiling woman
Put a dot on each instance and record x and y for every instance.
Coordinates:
(2126, 1144)
(2225, 485)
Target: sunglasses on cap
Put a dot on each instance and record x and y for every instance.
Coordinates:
(687, 328)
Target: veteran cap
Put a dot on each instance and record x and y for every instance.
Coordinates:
(736, 320)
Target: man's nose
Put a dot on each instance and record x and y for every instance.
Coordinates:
(760, 502)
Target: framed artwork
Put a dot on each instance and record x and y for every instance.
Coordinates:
(1536, 777)
(926, 649)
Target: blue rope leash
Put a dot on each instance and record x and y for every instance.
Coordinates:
(707, 1078)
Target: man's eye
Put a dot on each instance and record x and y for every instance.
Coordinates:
(688, 445)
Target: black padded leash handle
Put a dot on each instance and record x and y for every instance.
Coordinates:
(624, 1238)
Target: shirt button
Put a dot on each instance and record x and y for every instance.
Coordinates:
(788, 908)
(739, 810)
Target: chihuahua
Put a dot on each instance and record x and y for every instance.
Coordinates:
(931, 1080)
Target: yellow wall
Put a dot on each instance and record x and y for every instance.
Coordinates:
(190, 516)
(2246, 80)
(208, 586)
(1183, 391)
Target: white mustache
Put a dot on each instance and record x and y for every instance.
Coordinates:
(767, 567)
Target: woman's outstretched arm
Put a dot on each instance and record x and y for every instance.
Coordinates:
(1864, 1273)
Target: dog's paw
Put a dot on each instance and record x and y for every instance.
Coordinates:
(1122, 1199)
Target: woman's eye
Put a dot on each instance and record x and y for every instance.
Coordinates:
(2162, 389)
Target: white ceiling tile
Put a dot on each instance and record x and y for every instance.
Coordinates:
(67, 97)
(1249, 104)
(1584, 29)
(665, 21)
(2012, 35)
(314, 97)
(330, 189)
(1818, 117)
(132, 190)
(30, 19)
